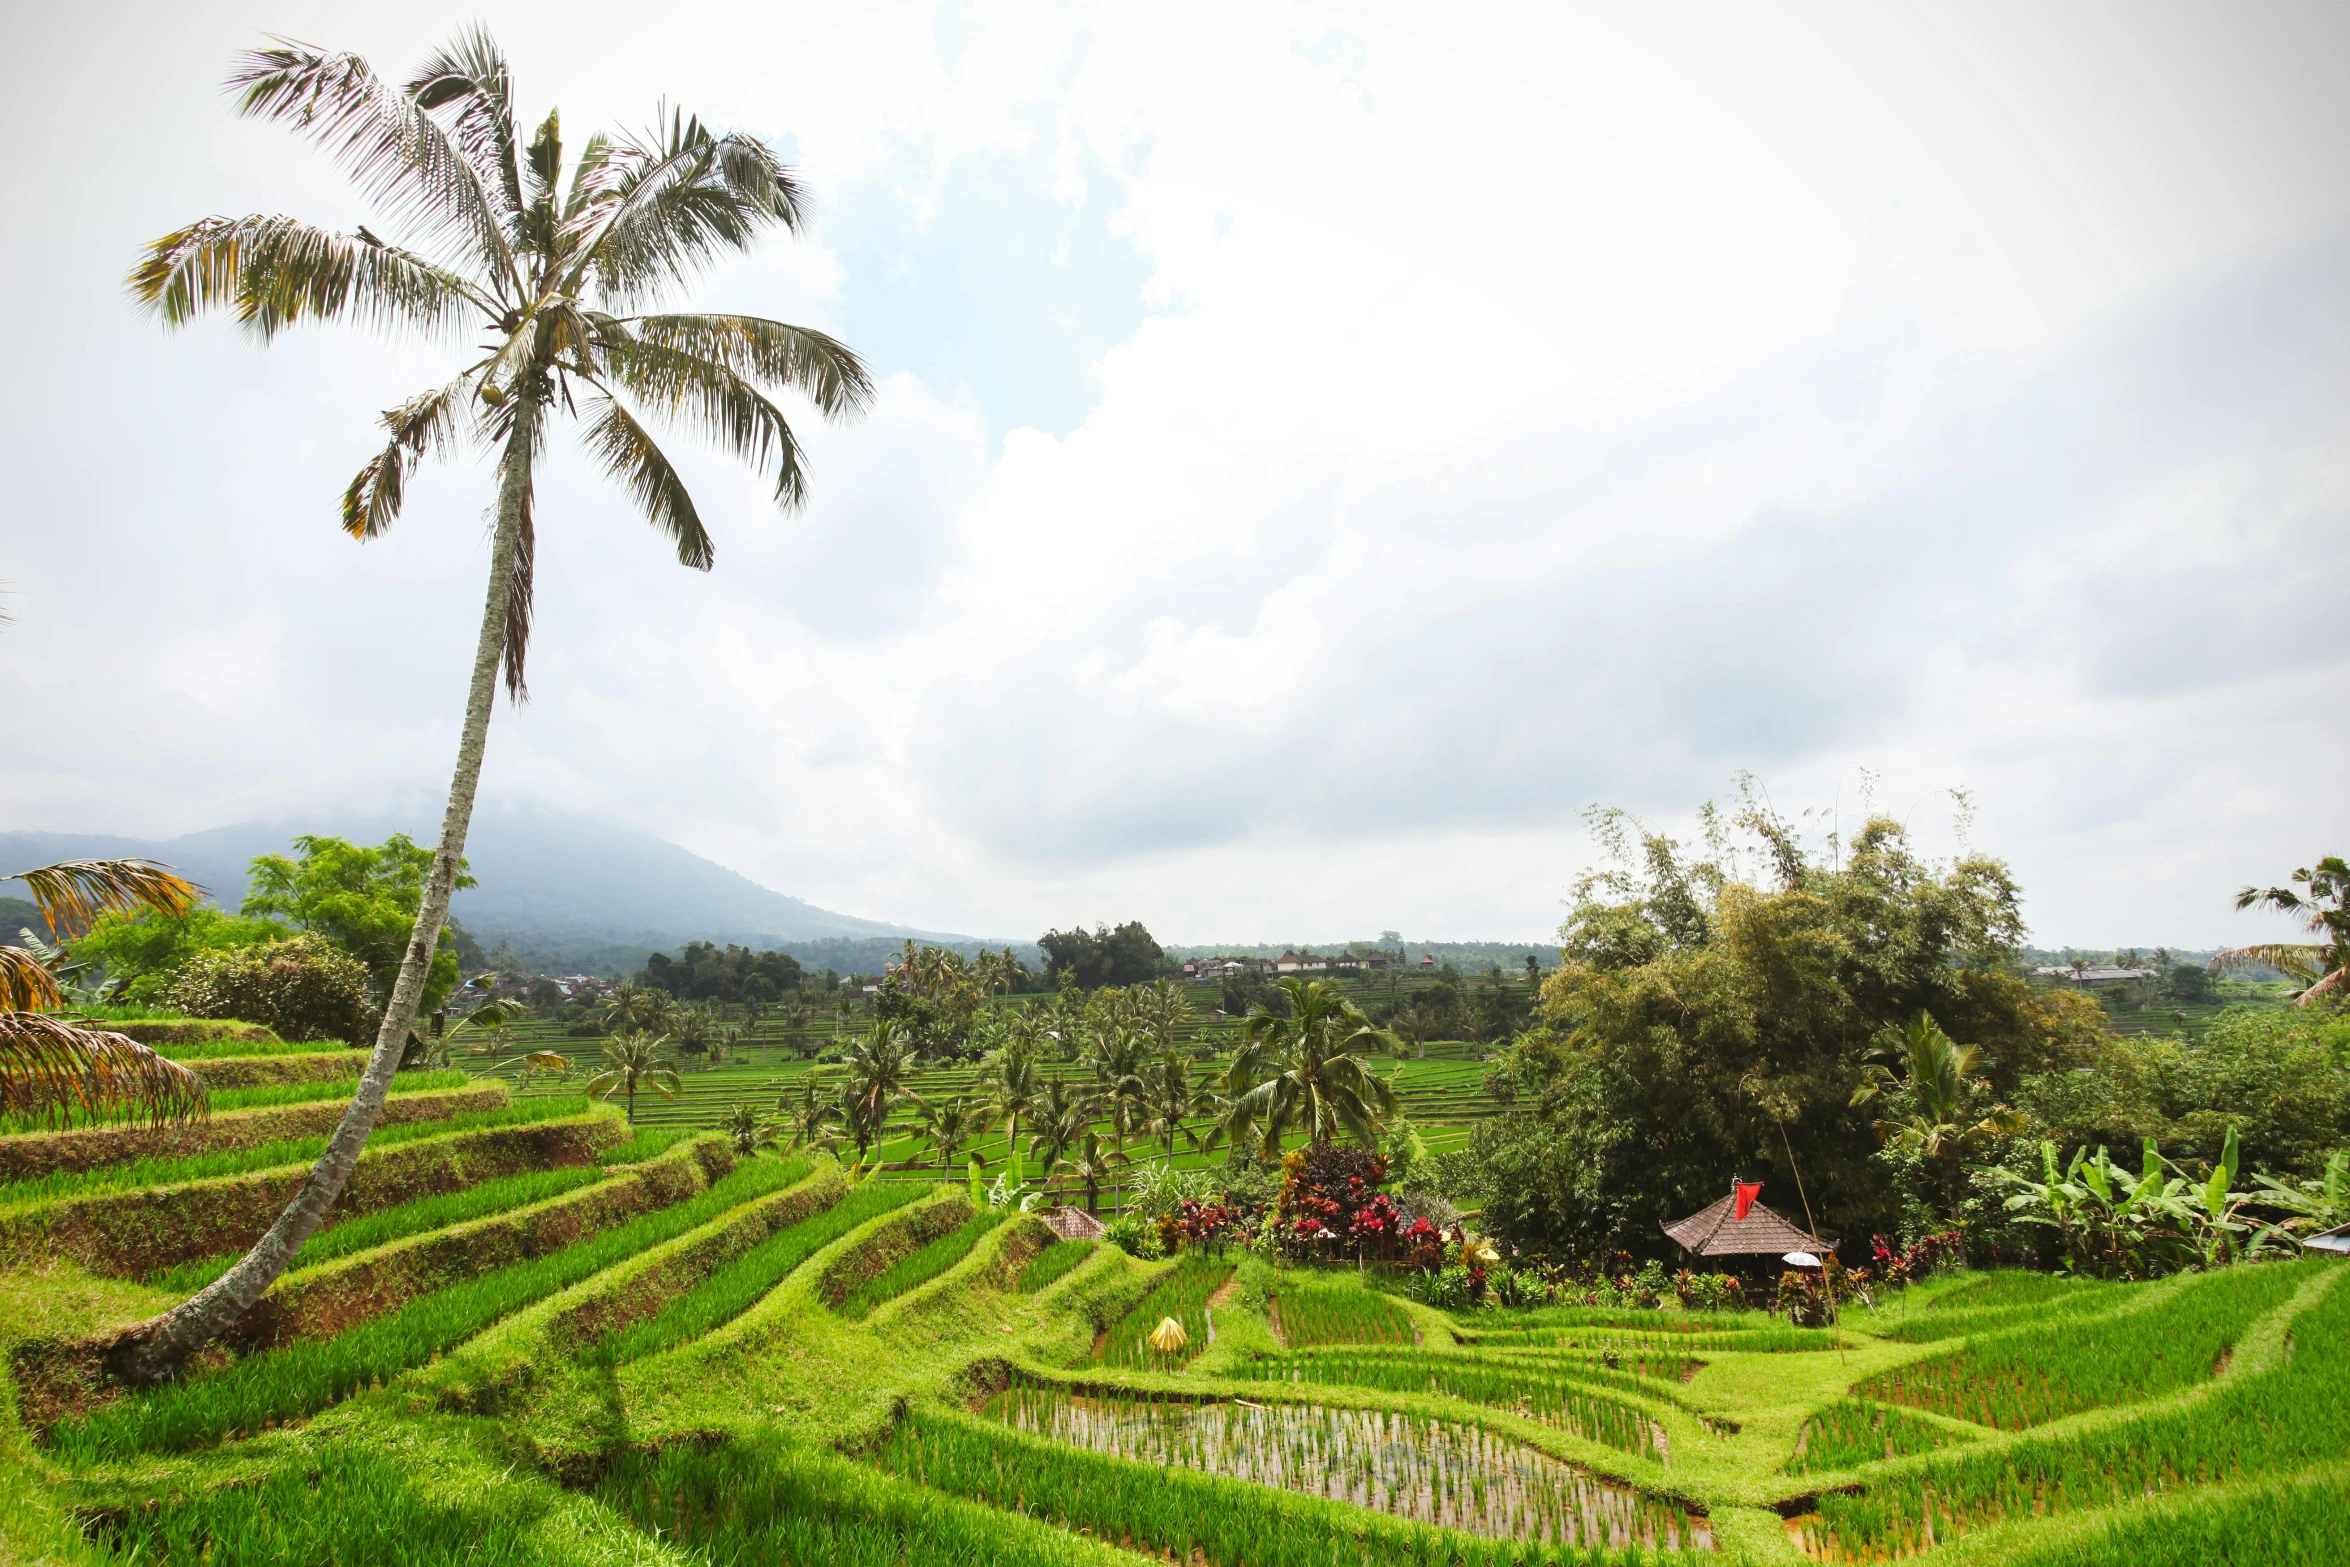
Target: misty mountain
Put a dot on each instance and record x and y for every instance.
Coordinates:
(554, 876)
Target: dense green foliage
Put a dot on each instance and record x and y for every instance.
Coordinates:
(1852, 1431)
(1102, 956)
(303, 988)
(1182, 1295)
(140, 954)
(364, 900)
(1311, 1316)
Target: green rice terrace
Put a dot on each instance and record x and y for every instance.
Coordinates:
(531, 1334)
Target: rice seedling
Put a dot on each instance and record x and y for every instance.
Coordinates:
(1767, 1337)
(262, 1096)
(1540, 1391)
(1183, 1296)
(370, 1230)
(2007, 1300)
(770, 1500)
(1164, 1473)
(1054, 1262)
(139, 1174)
(738, 1286)
(224, 1049)
(1852, 1431)
(282, 1385)
(650, 1142)
(2030, 1375)
(1307, 1315)
(921, 1267)
(2285, 1420)
(346, 1507)
(2287, 1525)
(1636, 1365)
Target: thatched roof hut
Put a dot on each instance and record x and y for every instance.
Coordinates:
(1719, 1232)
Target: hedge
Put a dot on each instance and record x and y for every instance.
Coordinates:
(193, 1030)
(132, 1233)
(31, 1155)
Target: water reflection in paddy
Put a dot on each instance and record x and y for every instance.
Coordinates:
(1438, 1472)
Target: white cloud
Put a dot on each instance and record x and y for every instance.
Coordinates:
(1515, 412)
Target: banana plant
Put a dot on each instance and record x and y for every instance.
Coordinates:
(2312, 1207)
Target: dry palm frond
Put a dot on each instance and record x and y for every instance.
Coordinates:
(26, 985)
(49, 1067)
(73, 893)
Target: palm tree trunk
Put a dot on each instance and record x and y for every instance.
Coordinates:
(154, 1349)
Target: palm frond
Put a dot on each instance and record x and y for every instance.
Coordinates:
(825, 370)
(658, 212)
(2287, 957)
(275, 271)
(73, 893)
(26, 985)
(631, 457)
(392, 148)
(51, 1068)
(424, 426)
(719, 403)
(470, 74)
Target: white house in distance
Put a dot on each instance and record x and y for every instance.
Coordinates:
(2093, 974)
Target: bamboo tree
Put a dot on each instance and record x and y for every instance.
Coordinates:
(551, 276)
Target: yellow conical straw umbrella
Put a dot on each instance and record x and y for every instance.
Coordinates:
(1169, 1336)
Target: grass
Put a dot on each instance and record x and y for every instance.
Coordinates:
(2297, 1524)
(1055, 1262)
(735, 1288)
(1180, 1511)
(2286, 1419)
(1853, 1431)
(262, 1097)
(1183, 1295)
(647, 1143)
(1347, 1314)
(370, 1230)
(1542, 1392)
(288, 1384)
(921, 1267)
(226, 1049)
(137, 1174)
(2031, 1375)
(2006, 1300)
(776, 1500)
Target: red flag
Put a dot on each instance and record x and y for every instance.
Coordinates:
(1746, 1196)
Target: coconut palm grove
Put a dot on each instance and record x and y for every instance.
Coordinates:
(1786, 1206)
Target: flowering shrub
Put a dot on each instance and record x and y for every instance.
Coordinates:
(1325, 1191)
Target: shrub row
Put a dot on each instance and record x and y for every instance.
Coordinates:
(196, 1031)
(241, 1118)
(307, 1066)
(133, 1233)
(295, 1382)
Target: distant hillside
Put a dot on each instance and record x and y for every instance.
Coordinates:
(547, 879)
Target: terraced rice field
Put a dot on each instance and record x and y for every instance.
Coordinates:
(543, 1339)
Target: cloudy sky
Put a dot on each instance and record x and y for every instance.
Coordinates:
(1320, 452)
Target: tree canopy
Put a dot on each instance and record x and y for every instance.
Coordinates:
(1102, 956)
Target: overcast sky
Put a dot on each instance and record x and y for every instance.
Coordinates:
(1320, 452)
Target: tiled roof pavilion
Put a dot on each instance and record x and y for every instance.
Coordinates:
(1712, 1232)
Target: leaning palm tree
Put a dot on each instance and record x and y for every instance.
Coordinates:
(631, 1062)
(550, 275)
(2323, 966)
(813, 1114)
(1941, 1127)
(1300, 1069)
(56, 1069)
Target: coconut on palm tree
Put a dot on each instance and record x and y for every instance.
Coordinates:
(550, 276)
(1298, 1069)
(1940, 1125)
(634, 1061)
(2323, 907)
(56, 1069)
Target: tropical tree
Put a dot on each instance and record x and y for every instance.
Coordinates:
(949, 1127)
(633, 1061)
(750, 1130)
(1086, 1161)
(1300, 1070)
(56, 1069)
(1939, 1125)
(629, 1005)
(813, 1114)
(879, 1067)
(1061, 1116)
(1012, 1080)
(1171, 1098)
(2323, 907)
(551, 277)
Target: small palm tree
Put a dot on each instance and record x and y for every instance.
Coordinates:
(750, 1130)
(1171, 1099)
(629, 1005)
(1062, 1116)
(1299, 1069)
(813, 1113)
(53, 1068)
(549, 276)
(1013, 1082)
(633, 1061)
(2323, 906)
(949, 1127)
(1088, 1162)
(1941, 1127)
(880, 1065)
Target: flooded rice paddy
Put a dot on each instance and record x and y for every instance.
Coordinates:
(1450, 1475)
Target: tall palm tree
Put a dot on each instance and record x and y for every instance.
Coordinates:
(1088, 1163)
(1013, 1082)
(950, 1126)
(2323, 966)
(1171, 1099)
(1062, 1116)
(813, 1113)
(633, 1061)
(880, 1065)
(1941, 1127)
(551, 277)
(629, 1005)
(53, 1068)
(1300, 1070)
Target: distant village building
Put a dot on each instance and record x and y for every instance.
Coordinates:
(1300, 963)
(2092, 974)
